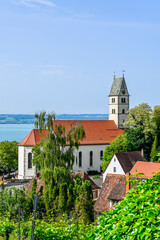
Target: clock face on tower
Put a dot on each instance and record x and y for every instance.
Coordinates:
(123, 91)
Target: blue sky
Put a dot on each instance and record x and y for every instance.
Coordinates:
(60, 55)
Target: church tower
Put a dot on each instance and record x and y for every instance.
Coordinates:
(118, 101)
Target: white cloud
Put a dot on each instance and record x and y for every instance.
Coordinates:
(35, 3)
(51, 69)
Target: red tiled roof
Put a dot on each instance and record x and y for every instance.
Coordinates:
(97, 132)
(113, 188)
(148, 168)
(33, 138)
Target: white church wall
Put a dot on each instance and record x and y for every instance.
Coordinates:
(113, 167)
(86, 149)
(23, 171)
(20, 162)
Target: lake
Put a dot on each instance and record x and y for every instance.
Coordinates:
(17, 132)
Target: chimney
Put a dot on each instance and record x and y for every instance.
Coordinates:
(128, 185)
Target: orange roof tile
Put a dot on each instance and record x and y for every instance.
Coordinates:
(97, 132)
(148, 168)
(33, 138)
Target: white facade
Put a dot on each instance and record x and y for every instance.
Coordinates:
(113, 167)
(88, 164)
(24, 172)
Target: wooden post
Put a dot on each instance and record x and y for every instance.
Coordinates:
(34, 216)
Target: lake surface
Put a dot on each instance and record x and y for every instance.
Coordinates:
(17, 132)
(14, 132)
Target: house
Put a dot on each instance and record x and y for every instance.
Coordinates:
(122, 163)
(98, 135)
(112, 192)
(114, 186)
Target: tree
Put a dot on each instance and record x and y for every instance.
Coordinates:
(8, 155)
(132, 139)
(44, 122)
(140, 117)
(83, 213)
(55, 162)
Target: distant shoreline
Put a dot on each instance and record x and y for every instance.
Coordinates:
(29, 118)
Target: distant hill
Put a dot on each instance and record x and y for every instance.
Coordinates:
(29, 119)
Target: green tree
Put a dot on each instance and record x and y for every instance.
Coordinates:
(140, 116)
(8, 155)
(55, 162)
(43, 121)
(83, 213)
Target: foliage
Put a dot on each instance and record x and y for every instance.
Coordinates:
(143, 133)
(83, 213)
(54, 157)
(6, 227)
(8, 155)
(139, 116)
(44, 122)
(137, 216)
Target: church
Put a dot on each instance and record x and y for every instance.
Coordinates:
(99, 133)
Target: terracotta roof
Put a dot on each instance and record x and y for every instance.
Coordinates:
(113, 188)
(97, 132)
(148, 168)
(33, 138)
(84, 176)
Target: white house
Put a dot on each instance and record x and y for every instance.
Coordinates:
(114, 186)
(98, 135)
(121, 163)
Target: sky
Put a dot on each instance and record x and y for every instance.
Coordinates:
(61, 55)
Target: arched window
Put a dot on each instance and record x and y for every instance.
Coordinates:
(91, 159)
(80, 159)
(101, 155)
(123, 111)
(30, 160)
